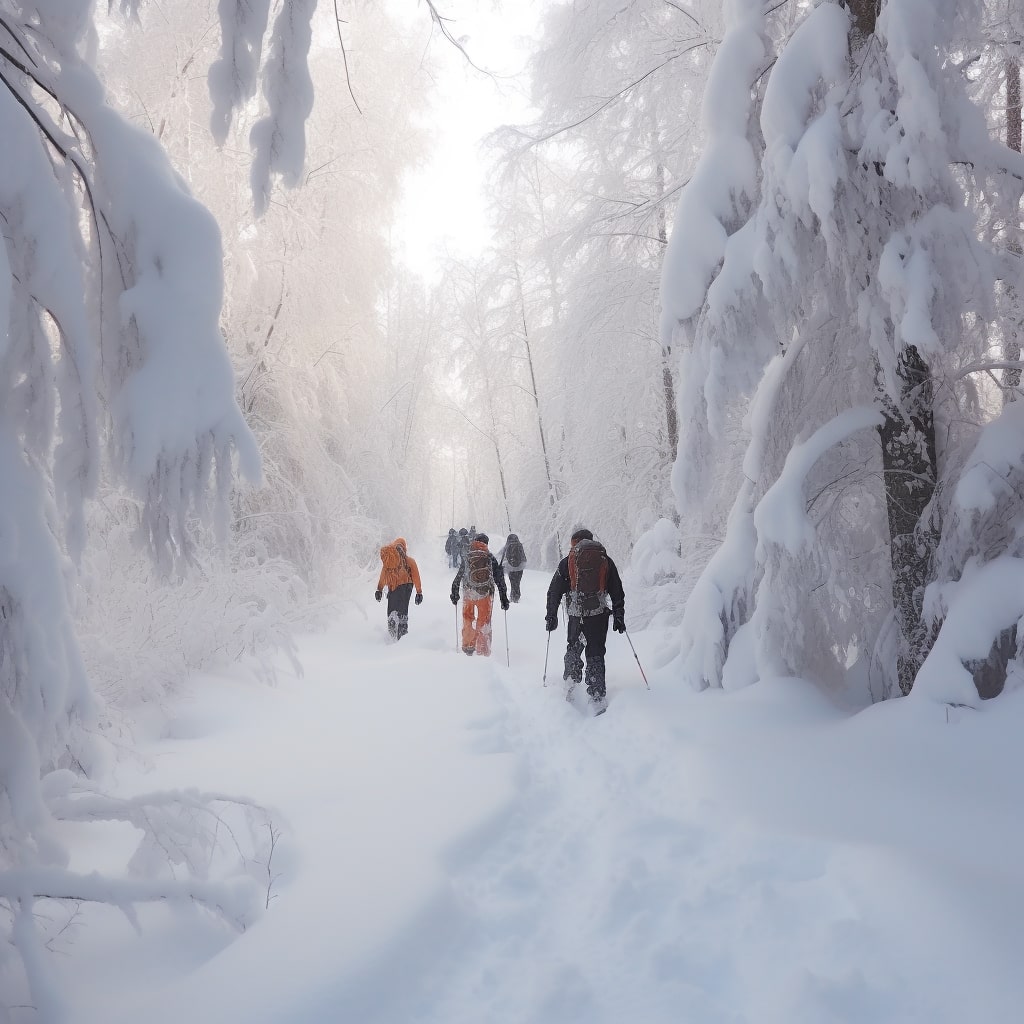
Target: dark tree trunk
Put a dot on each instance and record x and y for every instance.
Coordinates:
(910, 473)
(865, 14)
(909, 464)
(667, 381)
(1011, 345)
(1013, 101)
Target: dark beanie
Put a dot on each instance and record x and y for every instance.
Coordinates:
(482, 537)
(581, 535)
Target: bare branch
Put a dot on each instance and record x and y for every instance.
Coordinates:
(554, 133)
(683, 11)
(344, 57)
(440, 20)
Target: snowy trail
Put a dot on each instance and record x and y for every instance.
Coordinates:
(463, 846)
(373, 763)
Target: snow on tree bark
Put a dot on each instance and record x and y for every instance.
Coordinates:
(910, 475)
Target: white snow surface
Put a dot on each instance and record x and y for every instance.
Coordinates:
(461, 845)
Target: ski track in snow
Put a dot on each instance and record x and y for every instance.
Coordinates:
(462, 846)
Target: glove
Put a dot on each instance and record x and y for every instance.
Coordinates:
(504, 605)
(419, 599)
(619, 624)
(551, 622)
(455, 598)
(378, 594)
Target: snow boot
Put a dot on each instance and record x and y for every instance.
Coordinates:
(573, 663)
(393, 626)
(595, 685)
(469, 650)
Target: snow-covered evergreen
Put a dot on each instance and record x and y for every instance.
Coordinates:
(855, 272)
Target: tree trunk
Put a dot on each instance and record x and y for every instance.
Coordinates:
(497, 451)
(536, 402)
(865, 14)
(910, 473)
(481, 333)
(909, 463)
(668, 385)
(1011, 337)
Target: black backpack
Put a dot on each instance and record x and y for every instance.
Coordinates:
(515, 553)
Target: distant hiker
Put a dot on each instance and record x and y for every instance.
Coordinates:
(590, 582)
(513, 557)
(478, 575)
(451, 549)
(464, 543)
(399, 573)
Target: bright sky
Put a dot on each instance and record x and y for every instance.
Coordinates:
(444, 208)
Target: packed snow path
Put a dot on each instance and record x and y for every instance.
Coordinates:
(460, 846)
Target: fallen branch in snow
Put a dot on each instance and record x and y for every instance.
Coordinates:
(197, 849)
(275, 834)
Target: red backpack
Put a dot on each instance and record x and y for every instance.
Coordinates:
(588, 568)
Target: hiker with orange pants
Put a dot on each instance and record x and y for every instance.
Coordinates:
(478, 575)
(399, 573)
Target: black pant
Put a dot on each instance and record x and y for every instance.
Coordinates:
(398, 610)
(589, 633)
(514, 578)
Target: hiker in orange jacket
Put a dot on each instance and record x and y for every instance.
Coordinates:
(478, 575)
(399, 573)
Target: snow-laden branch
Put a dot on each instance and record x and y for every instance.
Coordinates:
(232, 901)
(279, 139)
(781, 515)
(233, 77)
(716, 199)
(999, 452)
(987, 600)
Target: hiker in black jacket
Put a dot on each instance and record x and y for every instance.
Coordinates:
(451, 548)
(589, 581)
(512, 558)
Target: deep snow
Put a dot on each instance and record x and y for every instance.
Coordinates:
(460, 845)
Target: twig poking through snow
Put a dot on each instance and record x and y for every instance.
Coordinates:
(275, 834)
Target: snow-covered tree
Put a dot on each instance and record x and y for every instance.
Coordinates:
(831, 273)
(110, 290)
(580, 202)
(114, 368)
(304, 286)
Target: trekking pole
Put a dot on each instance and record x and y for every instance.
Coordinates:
(507, 661)
(456, 627)
(547, 650)
(638, 665)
